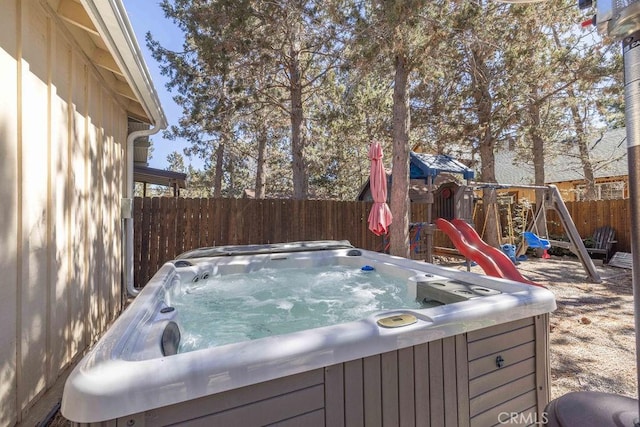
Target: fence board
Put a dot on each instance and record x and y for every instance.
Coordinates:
(163, 227)
(156, 225)
(171, 225)
(137, 237)
(146, 239)
(211, 222)
(167, 227)
(589, 215)
(200, 231)
(188, 222)
(179, 237)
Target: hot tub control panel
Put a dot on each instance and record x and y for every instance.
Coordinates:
(450, 291)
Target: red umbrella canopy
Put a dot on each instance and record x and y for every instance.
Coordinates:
(380, 215)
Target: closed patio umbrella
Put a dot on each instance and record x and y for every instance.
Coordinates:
(380, 215)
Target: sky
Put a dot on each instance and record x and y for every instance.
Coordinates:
(146, 15)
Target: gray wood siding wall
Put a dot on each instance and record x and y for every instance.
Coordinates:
(452, 382)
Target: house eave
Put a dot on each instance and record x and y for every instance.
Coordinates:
(112, 24)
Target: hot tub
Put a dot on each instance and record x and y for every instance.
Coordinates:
(465, 349)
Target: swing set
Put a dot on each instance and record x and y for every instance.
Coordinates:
(536, 233)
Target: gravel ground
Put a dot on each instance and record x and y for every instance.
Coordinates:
(592, 330)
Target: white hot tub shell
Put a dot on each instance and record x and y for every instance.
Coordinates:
(480, 356)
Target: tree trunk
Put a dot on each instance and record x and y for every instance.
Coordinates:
(538, 161)
(399, 230)
(217, 178)
(231, 190)
(483, 101)
(299, 169)
(583, 149)
(587, 167)
(261, 178)
(492, 231)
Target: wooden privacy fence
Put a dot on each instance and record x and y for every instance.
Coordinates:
(587, 216)
(167, 227)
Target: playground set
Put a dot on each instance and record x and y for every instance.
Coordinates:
(455, 209)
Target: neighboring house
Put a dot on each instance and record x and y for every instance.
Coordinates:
(76, 94)
(146, 175)
(563, 169)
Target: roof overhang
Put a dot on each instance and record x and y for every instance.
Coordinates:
(159, 177)
(424, 165)
(102, 30)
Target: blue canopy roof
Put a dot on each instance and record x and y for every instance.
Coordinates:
(426, 165)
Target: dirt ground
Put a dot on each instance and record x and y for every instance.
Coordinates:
(592, 330)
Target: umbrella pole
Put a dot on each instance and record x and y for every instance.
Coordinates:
(631, 54)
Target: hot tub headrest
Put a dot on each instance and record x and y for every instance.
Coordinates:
(170, 339)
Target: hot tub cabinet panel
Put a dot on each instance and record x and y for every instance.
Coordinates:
(509, 371)
(480, 378)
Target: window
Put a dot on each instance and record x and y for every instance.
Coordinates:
(604, 191)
